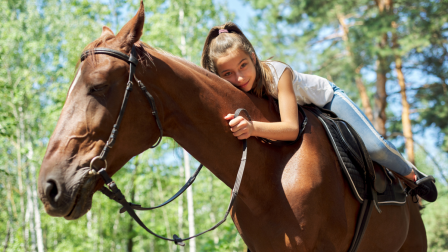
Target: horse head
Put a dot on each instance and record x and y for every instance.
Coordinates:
(92, 105)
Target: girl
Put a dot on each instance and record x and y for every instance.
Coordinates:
(229, 54)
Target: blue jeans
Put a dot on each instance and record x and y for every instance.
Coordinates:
(380, 150)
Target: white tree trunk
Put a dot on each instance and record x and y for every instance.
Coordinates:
(26, 221)
(37, 221)
(183, 44)
(90, 227)
(21, 193)
(191, 227)
(183, 49)
(165, 215)
(114, 232)
(180, 210)
(153, 219)
(212, 214)
(30, 212)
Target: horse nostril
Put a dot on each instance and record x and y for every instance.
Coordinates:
(51, 190)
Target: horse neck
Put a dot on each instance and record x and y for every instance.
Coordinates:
(194, 103)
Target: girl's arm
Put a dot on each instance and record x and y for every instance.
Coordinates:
(286, 130)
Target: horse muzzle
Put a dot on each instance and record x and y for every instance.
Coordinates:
(68, 199)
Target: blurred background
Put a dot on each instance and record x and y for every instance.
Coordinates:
(390, 56)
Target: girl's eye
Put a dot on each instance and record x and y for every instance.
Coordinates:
(227, 74)
(98, 88)
(243, 65)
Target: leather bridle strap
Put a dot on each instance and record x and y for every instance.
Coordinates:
(128, 58)
(111, 140)
(181, 190)
(133, 62)
(154, 110)
(115, 194)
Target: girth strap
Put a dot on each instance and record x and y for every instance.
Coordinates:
(361, 224)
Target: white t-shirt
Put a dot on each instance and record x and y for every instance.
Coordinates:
(307, 88)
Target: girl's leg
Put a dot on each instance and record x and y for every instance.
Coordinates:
(380, 150)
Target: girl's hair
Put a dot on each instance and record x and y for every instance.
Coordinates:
(218, 43)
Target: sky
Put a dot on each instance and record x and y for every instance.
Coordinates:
(243, 12)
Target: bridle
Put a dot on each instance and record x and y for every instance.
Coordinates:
(113, 192)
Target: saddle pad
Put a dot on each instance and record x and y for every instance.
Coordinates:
(355, 163)
(354, 175)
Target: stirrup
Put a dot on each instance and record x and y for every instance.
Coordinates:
(426, 187)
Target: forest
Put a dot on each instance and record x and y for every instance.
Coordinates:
(389, 56)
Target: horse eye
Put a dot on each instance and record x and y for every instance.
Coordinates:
(98, 88)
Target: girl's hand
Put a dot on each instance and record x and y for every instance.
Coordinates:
(241, 128)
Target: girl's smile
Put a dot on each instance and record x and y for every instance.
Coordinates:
(238, 68)
(242, 86)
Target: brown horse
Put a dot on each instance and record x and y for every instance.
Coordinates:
(292, 198)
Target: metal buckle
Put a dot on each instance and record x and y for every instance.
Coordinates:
(93, 160)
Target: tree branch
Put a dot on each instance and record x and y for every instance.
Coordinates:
(329, 37)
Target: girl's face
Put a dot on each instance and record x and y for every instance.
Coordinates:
(238, 68)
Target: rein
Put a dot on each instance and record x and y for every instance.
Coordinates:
(113, 192)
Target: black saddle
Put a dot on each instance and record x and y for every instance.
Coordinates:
(371, 183)
(367, 179)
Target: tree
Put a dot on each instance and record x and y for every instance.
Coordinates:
(431, 99)
(29, 58)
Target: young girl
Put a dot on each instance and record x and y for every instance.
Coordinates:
(229, 54)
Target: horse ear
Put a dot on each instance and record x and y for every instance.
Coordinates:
(132, 31)
(107, 31)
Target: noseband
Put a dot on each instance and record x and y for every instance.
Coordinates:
(113, 192)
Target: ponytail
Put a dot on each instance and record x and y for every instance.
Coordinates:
(229, 36)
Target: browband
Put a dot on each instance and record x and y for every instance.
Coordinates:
(113, 53)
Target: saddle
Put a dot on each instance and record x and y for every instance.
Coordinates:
(371, 183)
(367, 179)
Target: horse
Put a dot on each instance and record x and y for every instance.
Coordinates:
(292, 198)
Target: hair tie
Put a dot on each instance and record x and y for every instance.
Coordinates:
(223, 31)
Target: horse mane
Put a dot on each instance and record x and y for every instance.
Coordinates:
(140, 45)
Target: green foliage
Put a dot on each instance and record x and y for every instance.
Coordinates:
(39, 47)
(435, 217)
(431, 60)
(435, 110)
(40, 44)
